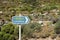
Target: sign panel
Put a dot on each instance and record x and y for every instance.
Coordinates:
(20, 20)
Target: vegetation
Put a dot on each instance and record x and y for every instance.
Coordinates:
(57, 28)
(9, 32)
(31, 29)
(36, 10)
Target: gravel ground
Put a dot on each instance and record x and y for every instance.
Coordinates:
(41, 39)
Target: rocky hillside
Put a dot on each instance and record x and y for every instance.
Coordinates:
(44, 18)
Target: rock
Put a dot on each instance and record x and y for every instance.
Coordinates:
(1, 12)
(5, 2)
(40, 22)
(32, 39)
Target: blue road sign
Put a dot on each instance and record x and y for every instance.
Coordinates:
(20, 20)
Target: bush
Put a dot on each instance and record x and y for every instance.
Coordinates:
(29, 29)
(11, 37)
(6, 36)
(9, 28)
(57, 27)
(28, 1)
(26, 7)
(10, 31)
(1, 35)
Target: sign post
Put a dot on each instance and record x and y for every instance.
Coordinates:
(20, 20)
(19, 32)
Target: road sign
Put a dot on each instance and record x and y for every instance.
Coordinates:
(20, 20)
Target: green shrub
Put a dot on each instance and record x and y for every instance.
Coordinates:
(10, 31)
(29, 29)
(1, 35)
(11, 37)
(57, 27)
(6, 36)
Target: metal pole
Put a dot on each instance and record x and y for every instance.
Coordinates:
(19, 32)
